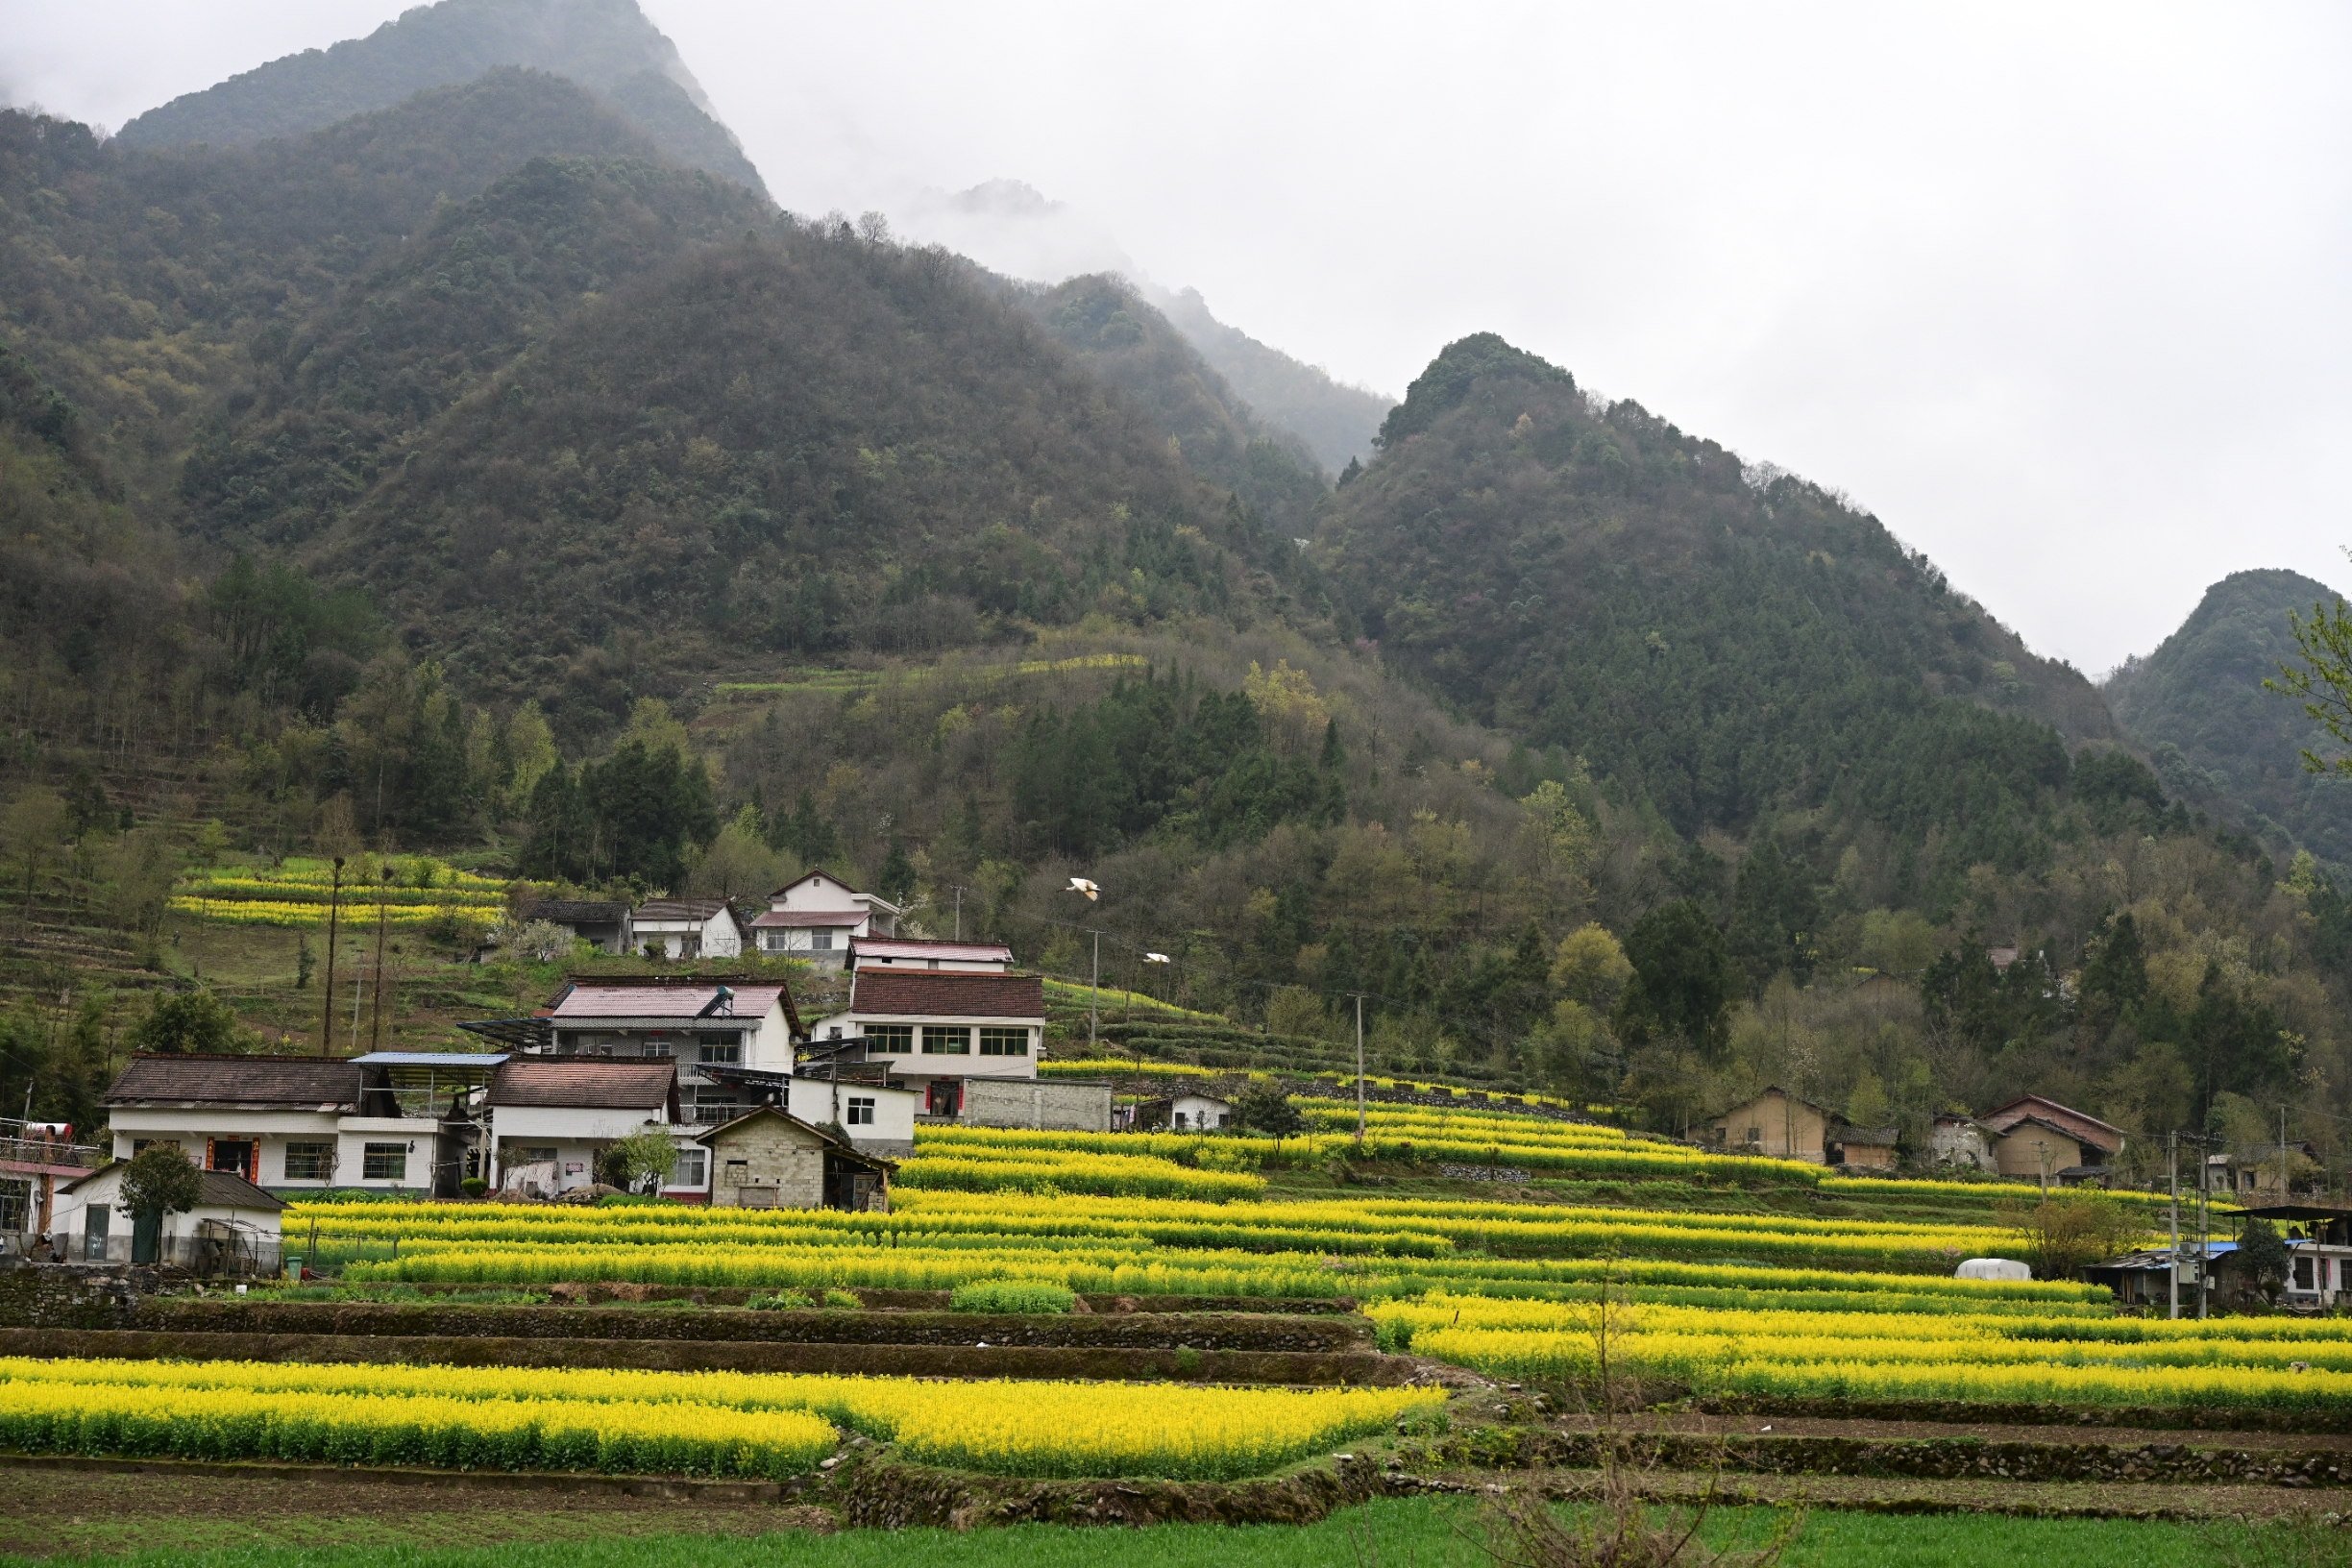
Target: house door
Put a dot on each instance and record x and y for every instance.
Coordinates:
(147, 1237)
(946, 1096)
(231, 1154)
(95, 1234)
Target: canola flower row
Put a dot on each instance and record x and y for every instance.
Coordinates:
(986, 1169)
(705, 1422)
(1526, 1227)
(1605, 1157)
(224, 1423)
(1010, 1217)
(905, 1268)
(409, 873)
(399, 916)
(1399, 1228)
(1871, 1187)
(1340, 1115)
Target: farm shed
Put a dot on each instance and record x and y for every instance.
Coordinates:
(1868, 1148)
(1183, 1114)
(770, 1158)
(233, 1229)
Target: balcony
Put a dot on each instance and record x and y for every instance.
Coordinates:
(38, 1156)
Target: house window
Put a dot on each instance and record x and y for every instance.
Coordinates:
(690, 947)
(531, 1154)
(310, 1162)
(385, 1162)
(821, 942)
(946, 1040)
(861, 1110)
(1180, 1119)
(1755, 1134)
(889, 1038)
(1004, 1043)
(723, 1046)
(2303, 1275)
(692, 1169)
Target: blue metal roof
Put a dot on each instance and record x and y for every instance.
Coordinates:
(427, 1059)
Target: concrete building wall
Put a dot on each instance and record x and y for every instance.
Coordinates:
(767, 1163)
(1783, 1128)
(1084, 1108)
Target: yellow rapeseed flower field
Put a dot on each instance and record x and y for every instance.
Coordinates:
(441, 1415)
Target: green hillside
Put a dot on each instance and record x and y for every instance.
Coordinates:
(468, 479)
(1735, 650)
(607, 46)
(2216, 736)
(1121, 338)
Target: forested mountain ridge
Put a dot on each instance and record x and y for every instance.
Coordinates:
(1733, 648)
(607, 46)
(1337, 422)
(1122, 337)
(2216, 736)
(470, 476)
(141, 283)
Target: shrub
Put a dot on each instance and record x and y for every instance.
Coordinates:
(472, 1186)
(842, 1299)
(1012, 1296)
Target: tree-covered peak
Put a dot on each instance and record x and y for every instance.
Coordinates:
(1458, 367)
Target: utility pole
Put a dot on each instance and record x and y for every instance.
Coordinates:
(2173, 1140)
(334, 908)
(2041, 1150)
(1360, 1076)
(375, 1004)
(2204, 1223)
(959, 892)
(2282, 1165)
(1094, 991)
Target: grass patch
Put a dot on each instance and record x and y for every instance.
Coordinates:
(1398, 1533)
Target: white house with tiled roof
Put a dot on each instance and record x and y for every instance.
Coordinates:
(688, 928)
(695, 1023)
(940, 1031)
(818, 917)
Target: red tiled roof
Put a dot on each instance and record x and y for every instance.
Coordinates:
(608, 999)
(592, 1083)
(2077, 1124)
(902, 947)
(946, 993)
(299, 1082)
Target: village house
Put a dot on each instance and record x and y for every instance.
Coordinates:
(35, 1158)
(605, 923)
(1775, 1125)
(966, 1043)
(291, 1123)
(233, 1229)
(551, 1119)
(770, 1159)
(685, 928)
(2061, 1141)
(699, 1024)
(1961, 1141)
(818, 917)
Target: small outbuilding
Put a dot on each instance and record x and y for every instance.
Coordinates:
(770, 1159)
(234, 1229)
(1184, 1113)
(1868, 1148)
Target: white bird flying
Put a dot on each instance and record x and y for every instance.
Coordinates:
(1079, 884)
(1158, 957)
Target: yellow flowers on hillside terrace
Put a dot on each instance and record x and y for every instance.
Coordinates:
(1962, 1355)
(1029, 1428)
(297, 893)
(1401, 1228)
(223, 1421)
(986, 1168)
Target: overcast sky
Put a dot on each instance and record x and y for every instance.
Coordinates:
(2060, 293)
